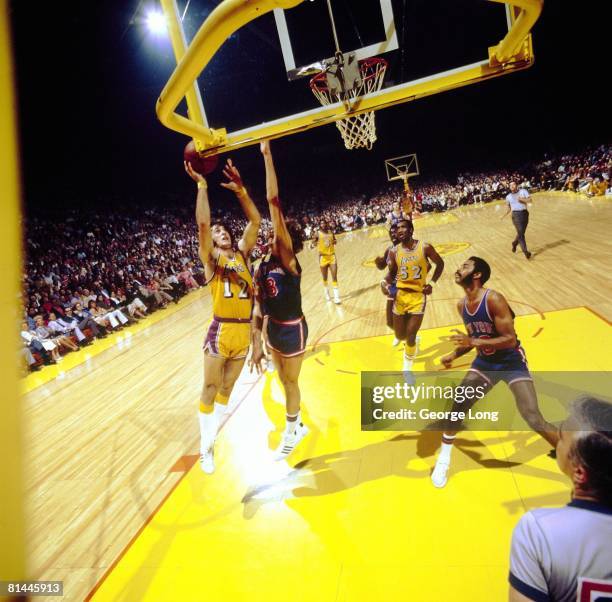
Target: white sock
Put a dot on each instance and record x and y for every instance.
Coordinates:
(336, 291)
(208, 430)
(219, 412)
(445, 452)
(290, 425)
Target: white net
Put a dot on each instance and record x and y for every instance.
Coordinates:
(358, 131)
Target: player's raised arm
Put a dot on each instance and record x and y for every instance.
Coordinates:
(431, 253)
(282, 239)
(236, 185)
(257, 354)
(206, 249)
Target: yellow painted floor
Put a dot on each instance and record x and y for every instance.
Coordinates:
(353, 515)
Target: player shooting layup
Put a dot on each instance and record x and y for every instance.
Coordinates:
(227, 269)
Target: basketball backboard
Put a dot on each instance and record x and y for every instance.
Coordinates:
(372, 32)
(430, 47)
(400, 168)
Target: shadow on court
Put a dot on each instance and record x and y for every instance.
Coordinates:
(549, 246)
(339, 471)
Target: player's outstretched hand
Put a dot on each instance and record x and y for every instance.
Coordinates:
(384, 287)
(256, 359)
(447, 360)
(192, 173)
(461, 339)
(264, 147)
(234, 180)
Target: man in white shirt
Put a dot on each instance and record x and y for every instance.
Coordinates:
(517, 203)
(565, 554)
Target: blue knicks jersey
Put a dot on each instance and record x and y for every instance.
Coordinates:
(279, 290)
(479, 325)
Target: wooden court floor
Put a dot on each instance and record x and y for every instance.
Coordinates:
(119, 511)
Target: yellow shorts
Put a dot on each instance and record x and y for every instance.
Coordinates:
(228, 339)
(409, 302)
(327, 260)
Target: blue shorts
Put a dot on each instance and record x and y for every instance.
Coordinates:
(510, 370)
(288, 338)
(392, 292)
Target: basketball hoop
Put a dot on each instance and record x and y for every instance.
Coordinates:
(358, 131)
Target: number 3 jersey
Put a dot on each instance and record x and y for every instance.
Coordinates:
(279, 290)
(412, 266)
(232, 288)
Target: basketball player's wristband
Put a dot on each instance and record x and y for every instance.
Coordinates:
(202, 184)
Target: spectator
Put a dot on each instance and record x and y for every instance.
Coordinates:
(65, 328)
(61, 340)
(83, 323)
(44, 346)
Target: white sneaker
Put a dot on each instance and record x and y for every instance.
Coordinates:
(395, 342)
(207, 460)
(337, 299)
(289, 441)
(439, 476)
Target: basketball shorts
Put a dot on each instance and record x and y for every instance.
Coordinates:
(288, 338)
(327, 260)
(409, 302)
(228, 338)
(510, 370)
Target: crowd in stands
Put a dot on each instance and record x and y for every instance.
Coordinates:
(92, 273)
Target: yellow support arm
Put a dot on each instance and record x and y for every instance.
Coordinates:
(513, 53)
(195, 109)
(222, 22)
(512, 44)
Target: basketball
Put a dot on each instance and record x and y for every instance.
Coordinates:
(203, 165)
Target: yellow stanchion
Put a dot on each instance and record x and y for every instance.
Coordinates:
(12, 547)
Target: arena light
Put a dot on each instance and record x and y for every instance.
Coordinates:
(156, 22)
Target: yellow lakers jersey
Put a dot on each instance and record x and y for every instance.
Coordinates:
(326, 244)
(412, 267)
(232, 288)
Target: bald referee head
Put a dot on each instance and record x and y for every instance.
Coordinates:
(584, 451)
